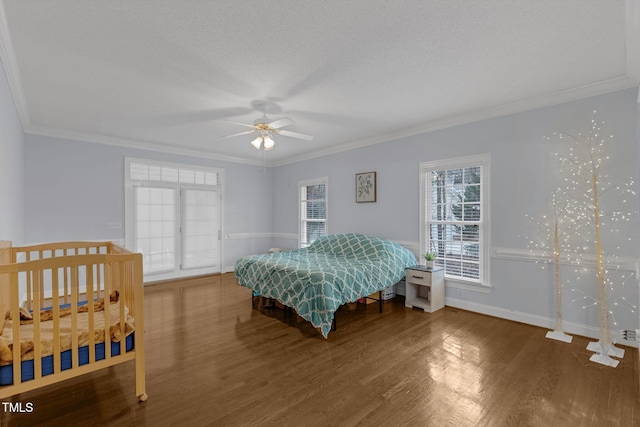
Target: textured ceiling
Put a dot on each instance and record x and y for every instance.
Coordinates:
(164, 73)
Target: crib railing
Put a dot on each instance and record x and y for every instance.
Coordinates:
(71, 273)
(52, 250)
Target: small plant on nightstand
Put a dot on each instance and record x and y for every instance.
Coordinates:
(430, 257)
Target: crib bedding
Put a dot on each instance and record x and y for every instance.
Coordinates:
(334, 270)
(64, 331)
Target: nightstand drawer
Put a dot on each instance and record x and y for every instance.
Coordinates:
(418, 277)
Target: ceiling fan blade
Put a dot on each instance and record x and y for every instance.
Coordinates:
(295, 135)
(238, 134)
(280, 123)
(238, 123)
(198, 116)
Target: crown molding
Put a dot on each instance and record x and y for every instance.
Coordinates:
(10, 62)
(139, 145)
(555, 98)
(600, 88)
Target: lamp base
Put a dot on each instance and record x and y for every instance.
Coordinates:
(559, 335)
(604, 353)
(611, 351)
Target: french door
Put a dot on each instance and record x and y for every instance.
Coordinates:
(201, 232)
(176, 228)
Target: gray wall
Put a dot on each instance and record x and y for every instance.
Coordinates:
(523, 175)
(11, 166)
(73, 188)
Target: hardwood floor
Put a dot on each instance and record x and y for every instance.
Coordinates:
(213, 360)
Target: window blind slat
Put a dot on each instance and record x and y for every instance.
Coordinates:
(453, 198)
(313, 212)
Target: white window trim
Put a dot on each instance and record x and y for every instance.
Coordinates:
(483, 160)
(128, 211)
(316, 181)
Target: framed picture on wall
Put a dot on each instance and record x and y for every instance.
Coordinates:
(365, 187)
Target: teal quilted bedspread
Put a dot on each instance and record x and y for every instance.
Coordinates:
(334, 270)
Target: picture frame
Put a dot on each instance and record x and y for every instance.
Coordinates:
(366, 187)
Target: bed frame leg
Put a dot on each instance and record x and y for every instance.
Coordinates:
(334, 325)
(268, 303)
(380, 301)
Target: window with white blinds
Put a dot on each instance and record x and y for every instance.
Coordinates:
(454, 216)
(312, 197)
(174, 217)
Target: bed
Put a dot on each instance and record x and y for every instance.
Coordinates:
(334, 270)
(67, 309)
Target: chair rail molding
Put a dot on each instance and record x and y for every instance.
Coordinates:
(526, 255)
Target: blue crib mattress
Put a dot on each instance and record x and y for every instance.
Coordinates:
(6, 372)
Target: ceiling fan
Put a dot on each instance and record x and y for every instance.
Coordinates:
(267, 129)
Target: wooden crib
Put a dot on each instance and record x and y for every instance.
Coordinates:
(77, 287)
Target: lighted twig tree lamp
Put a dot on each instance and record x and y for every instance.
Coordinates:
(553, 232)
(581, 167)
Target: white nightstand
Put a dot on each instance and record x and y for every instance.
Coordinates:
(425, 288)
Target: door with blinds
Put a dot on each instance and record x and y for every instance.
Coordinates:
(201, 233)
(175, 219)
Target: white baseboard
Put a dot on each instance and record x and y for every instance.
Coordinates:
(536, 320)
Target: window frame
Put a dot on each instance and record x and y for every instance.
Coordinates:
(301, 220)
(484, 162)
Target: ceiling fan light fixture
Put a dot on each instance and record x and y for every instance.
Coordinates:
(269, 143)
(266, 129)
(257, 142)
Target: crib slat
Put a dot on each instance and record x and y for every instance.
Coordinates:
(108, 288)
(123, 297)
(66, 285)
(55, 302)
(99, 293)
(92, 341)
(74, 317)
(37, 346)
(15, 321)
(28, 286)
(41, 286)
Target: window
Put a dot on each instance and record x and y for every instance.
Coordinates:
(312, 197)
(173, 217)
(454, 212)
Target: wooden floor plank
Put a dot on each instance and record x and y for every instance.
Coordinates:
(214, 359)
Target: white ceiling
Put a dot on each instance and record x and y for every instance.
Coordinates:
(161, 74)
